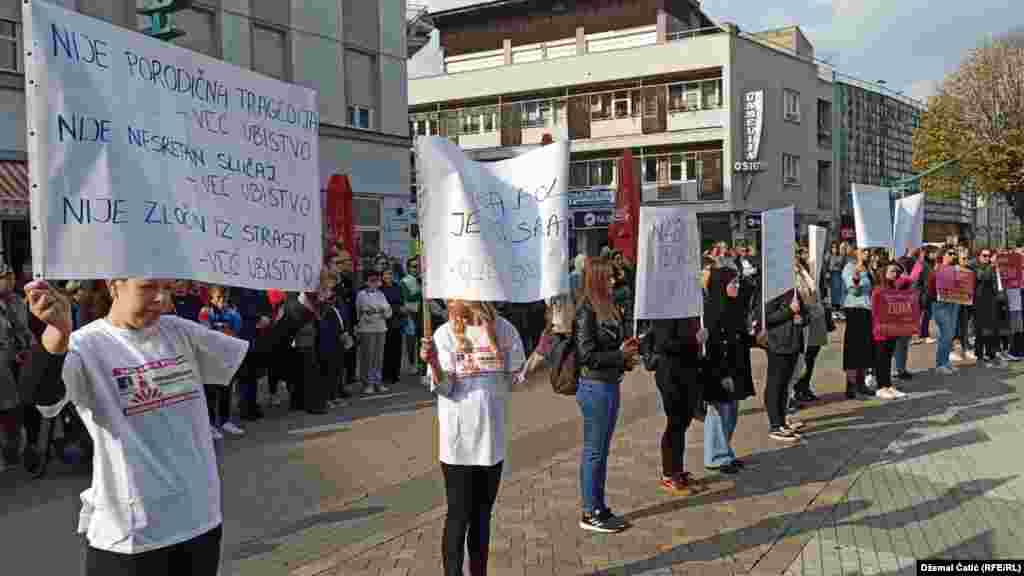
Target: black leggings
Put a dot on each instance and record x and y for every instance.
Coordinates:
(199, 556)
(678, 416)
(471, 492)
(883, 363)
(810, 356)
(987, 345)
(780, 371)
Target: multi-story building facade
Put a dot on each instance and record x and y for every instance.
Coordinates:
(875, 146)
(727, 122)
(353, 52)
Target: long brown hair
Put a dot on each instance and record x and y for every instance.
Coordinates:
(483, 313)
(596, 290)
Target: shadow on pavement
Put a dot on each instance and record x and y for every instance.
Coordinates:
(269, 542)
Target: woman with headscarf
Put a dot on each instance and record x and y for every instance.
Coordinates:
(728, 379)
(986, 312)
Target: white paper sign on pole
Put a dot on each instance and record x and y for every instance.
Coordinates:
(494, 231)
(668, 264)
(150, 160)
(777, 247)
(908, 227)
(872, 216)
(817, 236)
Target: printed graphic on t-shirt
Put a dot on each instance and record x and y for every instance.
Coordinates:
(155, 385)
(479, 361)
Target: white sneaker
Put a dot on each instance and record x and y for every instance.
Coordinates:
(232, 428)
(971, 355)
(884, 394)
(871, 382)
(945, 370)
(215, 432)
(897, 393)
(956, 356)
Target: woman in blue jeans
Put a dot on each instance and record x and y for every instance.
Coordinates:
(602, 357)
(945, 314)
(728, 379)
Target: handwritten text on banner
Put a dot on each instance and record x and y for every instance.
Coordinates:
(494, 231)
(668, 276)
(150, 160)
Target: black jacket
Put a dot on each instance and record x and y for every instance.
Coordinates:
(679, 358)
(784, 336)
(598, 347)
(728, 355)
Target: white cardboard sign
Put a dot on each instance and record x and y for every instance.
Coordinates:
(908, 225)
(150, 160)
(778, 242)
(494, 231)
(817, 236)
(668, 264)
(872, 217)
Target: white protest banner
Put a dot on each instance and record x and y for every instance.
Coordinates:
(817, 236)
(872, 216)
(777, 245)
(150, 160)
(908, 225)
(495, 231)
(668, 264)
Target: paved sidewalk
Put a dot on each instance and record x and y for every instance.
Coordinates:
(874, 486)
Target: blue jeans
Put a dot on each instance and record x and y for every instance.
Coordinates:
(901, 346)
(838, 289)
(946, 316)
(719, 425)
(599, 403)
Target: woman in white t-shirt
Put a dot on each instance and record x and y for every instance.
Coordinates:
(135, 377)
(473, 359)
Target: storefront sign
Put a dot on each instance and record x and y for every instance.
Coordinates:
(592, 219)
(591, 197)
(753, 127)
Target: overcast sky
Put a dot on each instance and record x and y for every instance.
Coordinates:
(911, 44)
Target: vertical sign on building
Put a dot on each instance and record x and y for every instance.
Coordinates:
(753, 127)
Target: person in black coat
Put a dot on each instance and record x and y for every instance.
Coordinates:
(986, 310)
(728, 378)
(677, 344)
(784, 336)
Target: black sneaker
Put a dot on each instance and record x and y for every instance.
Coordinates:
(806, 397)
(604, 522)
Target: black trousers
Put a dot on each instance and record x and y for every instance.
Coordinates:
(392, 372)
(471, 492)
(987, 345)
(678, 416)
(780, 371)
(310, 384)
(199, 556)
(883, 363)
(810, 357)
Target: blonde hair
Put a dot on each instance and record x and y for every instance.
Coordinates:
(484, 313)
(596, 291)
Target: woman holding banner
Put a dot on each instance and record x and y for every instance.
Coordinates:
(154, 507)
(603, 355)
(472, 359)
(892, 288)
(858, 345)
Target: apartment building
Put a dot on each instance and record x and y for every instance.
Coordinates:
(353, 52)
(727, 122)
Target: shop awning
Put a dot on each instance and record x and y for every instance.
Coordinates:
(13, 188)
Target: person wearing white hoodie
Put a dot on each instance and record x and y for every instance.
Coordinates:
(373, 312)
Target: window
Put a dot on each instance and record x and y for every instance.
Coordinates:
(199, 27)
(579, 175)
(790, 169)
(791, 105)
(676, 174)
(621, 104)
(9, 53)
(693, 96)
(367, 229)
(712, 93)
(490, 119)
(825, 185)
(590, 173)
(269, 51)
(470, 122)
(601, 106)
(650, 169)
(676, 101)
(535, 114)
(693, 167)
(360, 117)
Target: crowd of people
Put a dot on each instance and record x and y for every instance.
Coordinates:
(61, 342)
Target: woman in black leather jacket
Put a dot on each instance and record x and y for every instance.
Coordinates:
(784, 342)
(602, 357)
